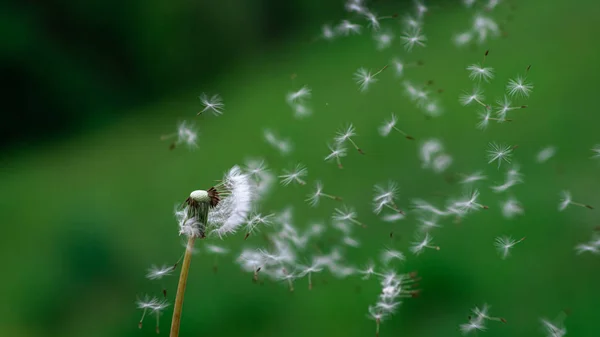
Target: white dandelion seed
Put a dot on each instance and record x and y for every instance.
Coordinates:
(545, 154)
(566, 200)
(346, 28)
(499, 153)
(383, 39)
(364, 78)
(553, 329)
(213, 103)
(299, 95)
(217, 250)
(418, 246)
(480, 73)
(476, 95)
(156, 273)
(314, 198)
(596, 151)
(388, 255)
(518, 87)
(412, 38)
(474, 177)
(283, 145)
(511, 208)
(255, 220)
(345, 215)
(337, 151)
(346, 134)
(327, 32)
(294, 175)
(389, 125)
(504, 244)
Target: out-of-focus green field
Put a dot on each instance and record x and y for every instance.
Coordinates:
(84, 217)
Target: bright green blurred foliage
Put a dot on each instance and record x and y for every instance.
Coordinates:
(85, 216)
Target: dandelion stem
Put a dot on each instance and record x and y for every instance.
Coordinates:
(581, 205)
(407, 136)
(355, 146)
(142, 319)
(333, 197)
(185, 268)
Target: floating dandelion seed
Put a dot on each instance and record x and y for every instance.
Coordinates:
(567, 200)
(499, 153)
(389, 125)
(554, 329)
(476, 95)
(346, 28)
(486, 116)
(388, 255)
(156, 273)
(384, 197)
(213, 103)
(418, 246)
(504, 244)
(314, 198)
(545, 154)
(596, 151)
(298, 96)
(412, 38)
(315, 267)
(346, 134)
(364, 78)
(283, 145)
(518, 86)
(346, 214)
(256, 220)
(383, 39)
(294, 175)
(155, 306)
(592, 246)
(327, 32)
(511, 208)
(337, 152)
(479, 72)
(186, 134)
(474, 177)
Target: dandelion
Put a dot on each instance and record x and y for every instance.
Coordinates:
(364, 78)
(213, 103)
(519, 87)
(567, 200)
(308, 271)
(256, 168)
(156, 273)
(389, 254)
(545, 154)
(463, 38)
(418, 246)
(155, 306)
(385, 196)
(475, 324)
(467, 203)
(283, 145)
(476, 95)
(376, 314)
(592, 246)
(383, 40)
(479, 72)
(511, 208)
(389, 125)
(294, 175)
(485, 118)
(504, 106)
(186, 134)
(218, 210)
(346, 134)
(499, 153)
(428, 224)
(256, 220)
(596, 151)
(474, 177)
(346, 214)
(346, 28)
(504, 244)
(513, 177)
(337, 152)
(327, 32)
(554, 329)
(398, 66)
(298, 96)
(412, 38)
(315, 197)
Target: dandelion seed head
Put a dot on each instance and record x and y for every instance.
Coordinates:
(480, 73)
(518, 87)
(364, 78)
(156, 273)
(499, 153)
(212, 103)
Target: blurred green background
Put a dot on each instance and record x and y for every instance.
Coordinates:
(88, 188)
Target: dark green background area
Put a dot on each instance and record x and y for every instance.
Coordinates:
(86, 208)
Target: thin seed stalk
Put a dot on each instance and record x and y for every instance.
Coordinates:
(185, 268)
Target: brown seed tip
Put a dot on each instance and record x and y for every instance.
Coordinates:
(139, 325)
(410, 137)
(528, 67)
(338, 198)
(485, 207)
(391, 234)
(172, 146)
(157, 331)
(502, 320)
(515, 147)
(340, 166)
(437, 247)
(165, 292)
(588, 206)
(361, 151)
(523, 106)
(487, 52)
(247, 235)
(395, 15)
